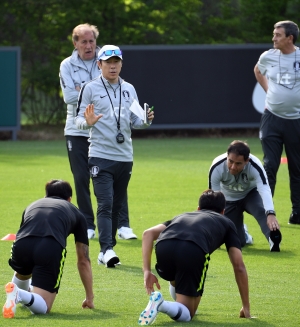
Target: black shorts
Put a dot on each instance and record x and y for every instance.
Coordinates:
(183, 262)
(44, 258)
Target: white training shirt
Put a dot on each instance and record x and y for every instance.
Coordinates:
(236, 187)
(282, 69)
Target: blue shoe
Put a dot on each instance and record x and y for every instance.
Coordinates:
(148, 316)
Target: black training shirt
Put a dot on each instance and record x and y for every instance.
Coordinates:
(56, 217)
(208, 229)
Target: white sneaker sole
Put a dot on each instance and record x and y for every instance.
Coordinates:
(148, 316)
(131, 237)
(9, 308)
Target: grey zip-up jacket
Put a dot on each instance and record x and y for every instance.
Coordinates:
(103, 143)
(237, 187)
(73, 73)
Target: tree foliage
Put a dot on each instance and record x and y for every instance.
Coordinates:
(42, 28)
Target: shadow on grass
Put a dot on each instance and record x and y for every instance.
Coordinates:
(84, 315)
(197, 321)
(90, 315)
(266, 253)
(130, 243)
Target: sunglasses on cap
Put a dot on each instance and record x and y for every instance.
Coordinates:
(110, 52)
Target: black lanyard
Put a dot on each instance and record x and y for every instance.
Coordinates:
(117, 120)
(89, 71)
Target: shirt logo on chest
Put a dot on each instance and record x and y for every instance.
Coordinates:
(126, 95)
(245, 178)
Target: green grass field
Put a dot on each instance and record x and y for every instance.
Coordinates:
(168, 176)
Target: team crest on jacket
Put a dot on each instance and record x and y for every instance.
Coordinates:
(126, 95)
(245, 178)
(94, 171)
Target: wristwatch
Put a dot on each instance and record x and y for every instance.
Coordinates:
(270, 212)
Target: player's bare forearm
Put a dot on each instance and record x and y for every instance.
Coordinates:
(147, 246)
(149, 236)
(85, 270)
(241, 278)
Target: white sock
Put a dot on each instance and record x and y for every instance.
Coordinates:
(175, 310)
(22, 284)
(172, 291)
(34, 302)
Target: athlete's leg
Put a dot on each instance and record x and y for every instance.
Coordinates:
(272, 145)
(77, 147)
(124, 214)
(254, 206)
(103, 179)
(122, 176)
(234, 211)
(292, 149)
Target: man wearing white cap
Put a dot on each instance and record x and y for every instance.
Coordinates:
(76, 70)
(104, 108)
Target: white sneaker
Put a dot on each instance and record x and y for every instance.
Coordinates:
(148, 316)
(248, 237)
(101, 262)
(9, 308)
(126, 233)
(109, 259)
(90, 233)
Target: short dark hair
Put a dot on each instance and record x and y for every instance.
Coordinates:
(212, 200)
(240, 148)
(290, 28)
(58, 187)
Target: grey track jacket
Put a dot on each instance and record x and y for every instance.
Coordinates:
(73, 73)
(237, 187)
(103, 134)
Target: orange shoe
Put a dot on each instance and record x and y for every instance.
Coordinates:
(9, 308)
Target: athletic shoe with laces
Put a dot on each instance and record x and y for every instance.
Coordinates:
(294, 218)
(90, 233)
(109, 259)
(248, 237)
(126, 233)
(148, 316)
(9, 308)
(101, 262)
(274, 240)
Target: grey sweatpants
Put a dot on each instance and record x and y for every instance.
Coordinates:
(251, 204)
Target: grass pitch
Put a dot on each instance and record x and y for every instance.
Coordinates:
(168, 176)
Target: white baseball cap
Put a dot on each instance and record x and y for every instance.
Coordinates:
(108, 51)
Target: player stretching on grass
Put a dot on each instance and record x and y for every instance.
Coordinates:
(39, 251)
(244, 183)
(183, 248)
